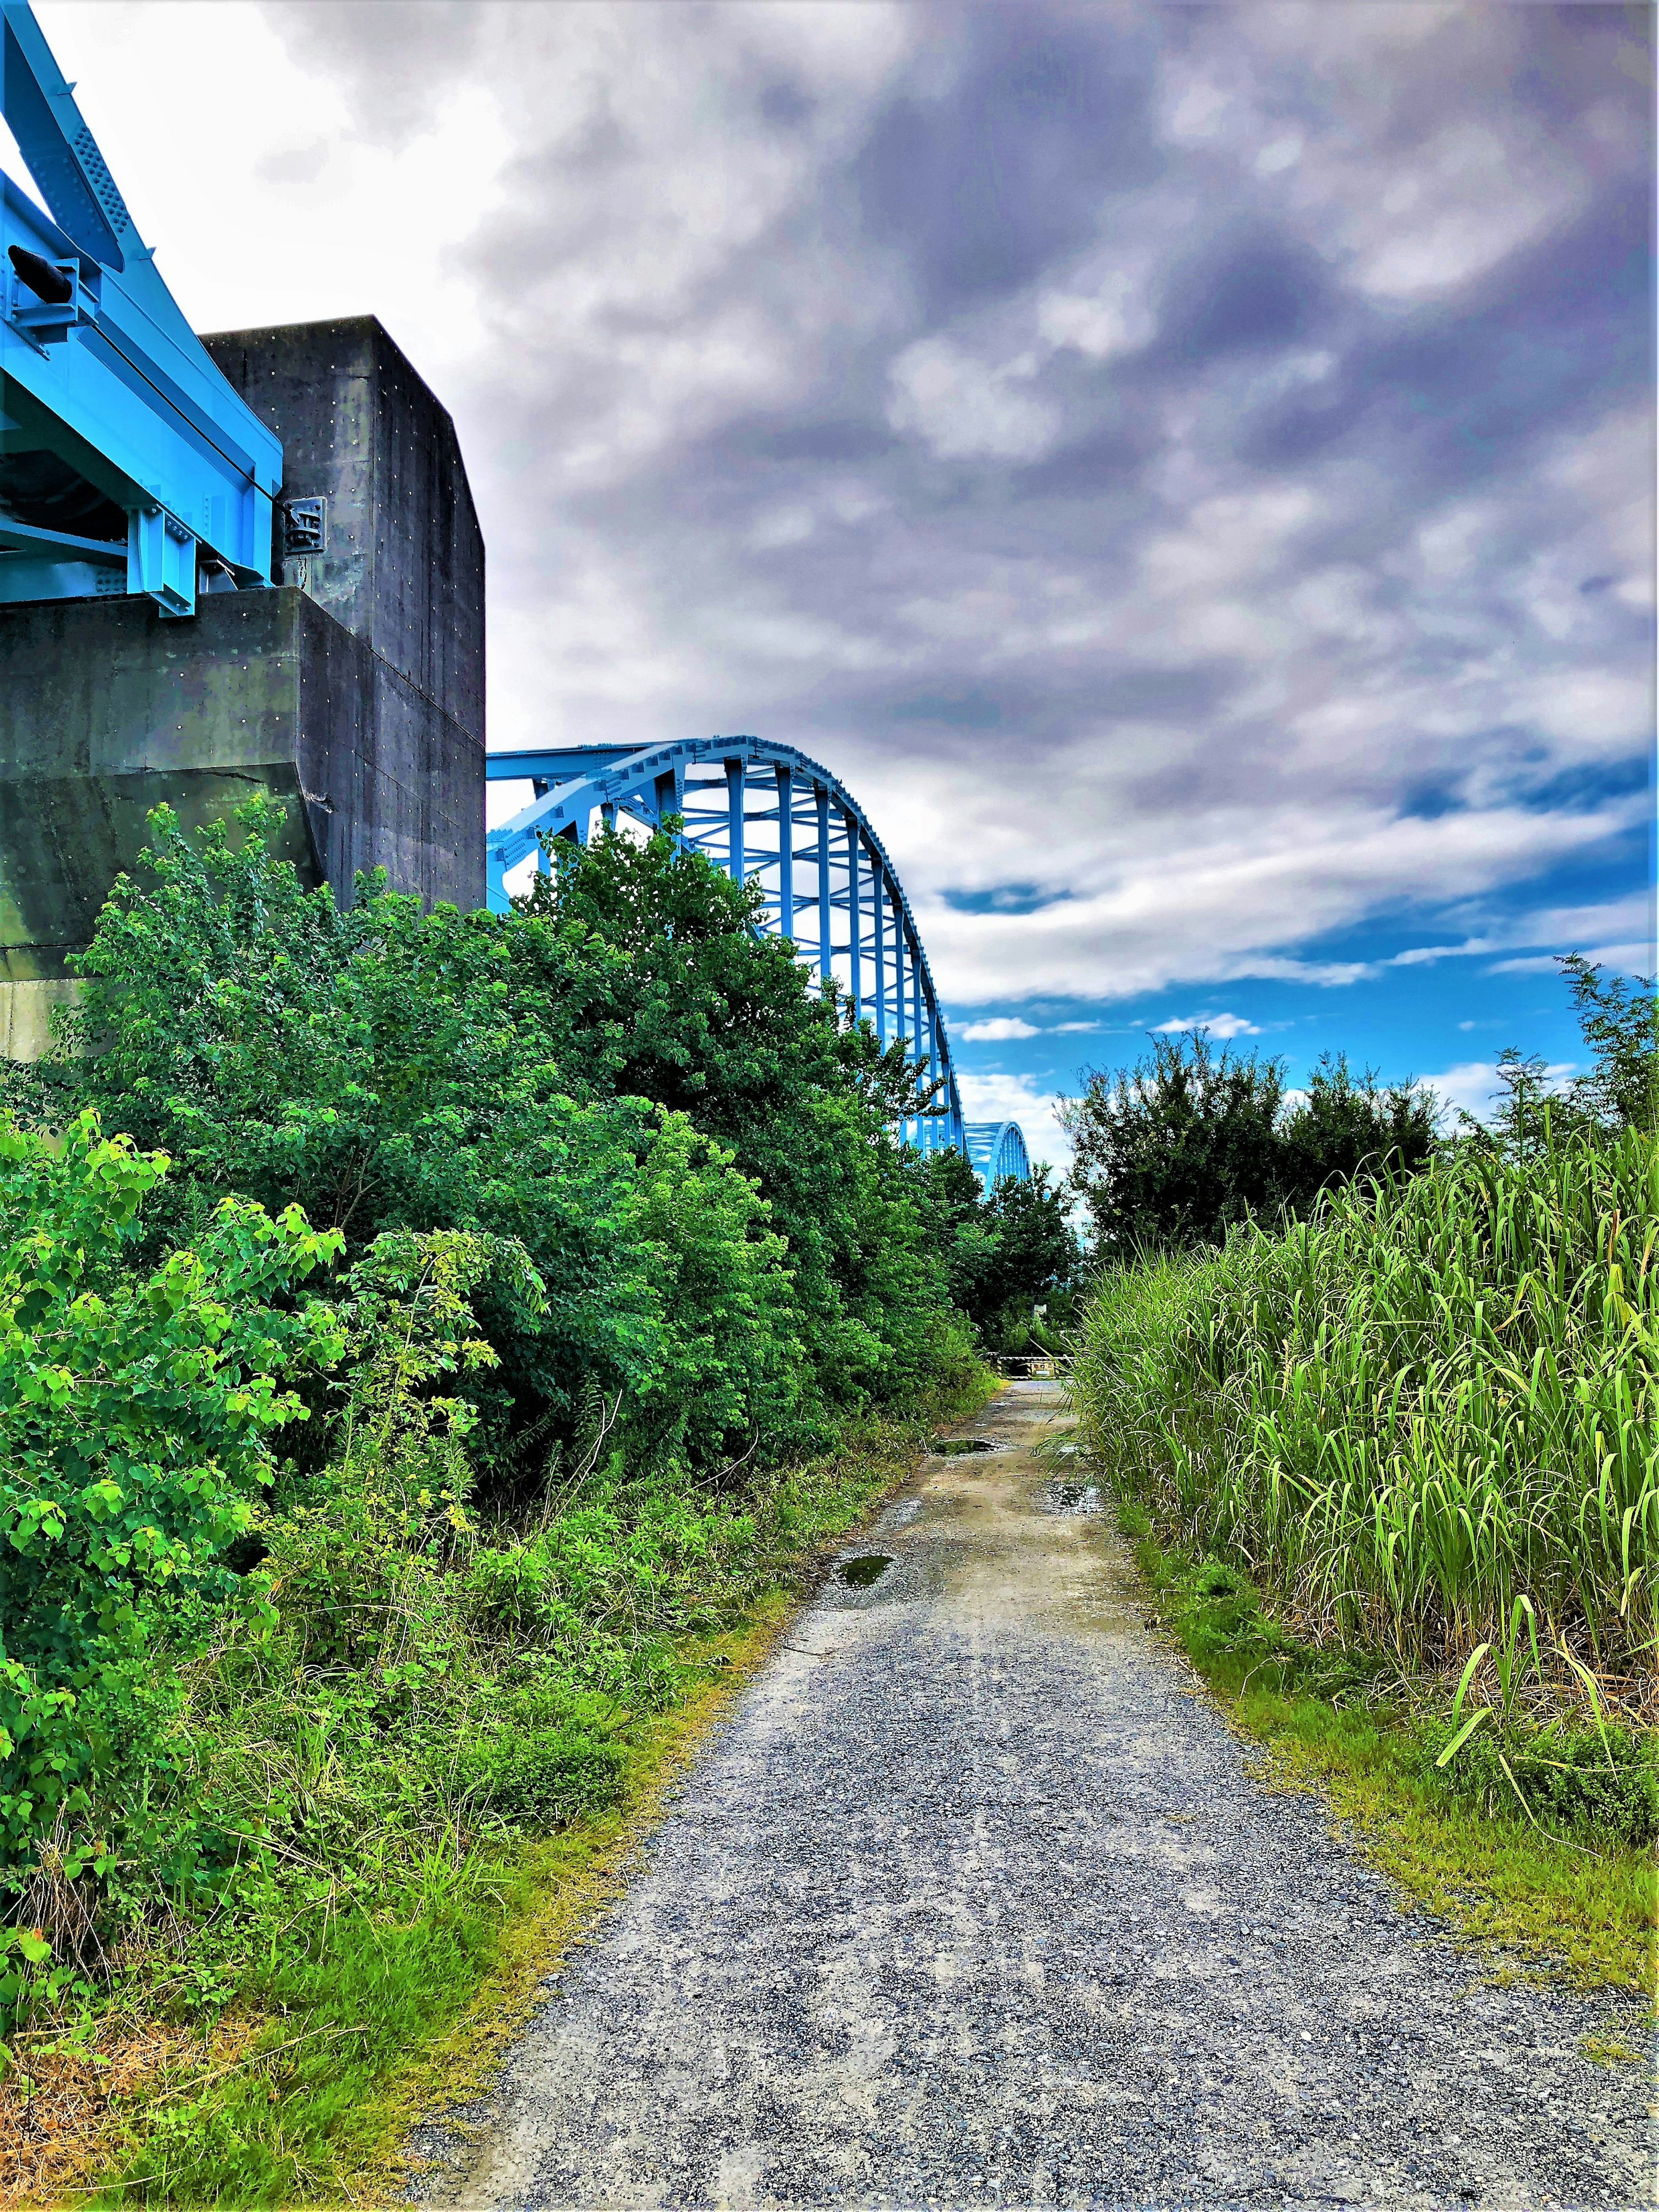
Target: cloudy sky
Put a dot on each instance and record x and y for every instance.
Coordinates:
(1190, 470)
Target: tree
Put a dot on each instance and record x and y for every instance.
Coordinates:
(1620, 1025)
(1620, 1089)
(662, 985)
(622, 1077)
(1345, 1126)
(1184, 1144)
(1179, 1147)
(1008, 1249)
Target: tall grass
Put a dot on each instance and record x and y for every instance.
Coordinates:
(1425, 1418)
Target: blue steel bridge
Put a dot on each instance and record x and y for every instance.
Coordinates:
(131, 470)
(770, 817)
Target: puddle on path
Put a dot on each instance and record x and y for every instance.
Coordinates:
(1008, 1525)
(1071, 1498)
(868, 1568)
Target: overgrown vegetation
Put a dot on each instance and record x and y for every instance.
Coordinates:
(1421, 1421)
(420, 1334)
(1427, 1408)
(1175, 1150)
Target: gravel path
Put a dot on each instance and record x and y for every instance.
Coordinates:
(972, 1902)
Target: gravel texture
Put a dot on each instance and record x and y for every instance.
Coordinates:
(973, 1902)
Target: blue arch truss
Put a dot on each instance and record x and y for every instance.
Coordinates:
(769, 816)
(997, 1150)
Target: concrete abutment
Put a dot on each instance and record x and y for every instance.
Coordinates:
(353, 692)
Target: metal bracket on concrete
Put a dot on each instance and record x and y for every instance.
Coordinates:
(162, 561)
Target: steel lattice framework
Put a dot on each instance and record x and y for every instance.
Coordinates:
(769, 816)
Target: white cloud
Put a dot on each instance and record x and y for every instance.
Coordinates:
(1224, 1026)
(999, 1097)
(964, 408)
(1098, 323)
(1615, 933)
(1284, 154)
(1472, 1085)
(999, 1030)
(1634, 958)
(649, 258)
(267, 243)
(1196, 900)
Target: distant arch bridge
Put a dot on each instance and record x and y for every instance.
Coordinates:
(769, 816)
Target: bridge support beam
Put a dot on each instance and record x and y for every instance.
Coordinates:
(785, 782)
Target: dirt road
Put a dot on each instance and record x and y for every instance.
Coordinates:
(973, 1902)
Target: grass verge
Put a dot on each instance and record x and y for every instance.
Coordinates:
(286, 2063)
(1580, 1901)
(373, 2020)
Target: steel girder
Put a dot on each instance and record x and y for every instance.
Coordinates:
(997, 1150)
(127, 463)
(769, 816)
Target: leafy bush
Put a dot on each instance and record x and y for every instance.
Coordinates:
(1604, 1780)
(694, 1152)
(541, 1758)
(138, 1413)
(1007, 1250)
(463, 1315)
(1188, 1144)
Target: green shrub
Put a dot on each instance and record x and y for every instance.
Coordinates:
(622, 1079)
(137, 1411)
(1604, 1781)
(544, 1755)
(330, 1553)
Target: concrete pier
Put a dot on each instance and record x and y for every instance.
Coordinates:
(354, 692)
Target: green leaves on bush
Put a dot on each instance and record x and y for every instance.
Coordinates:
(1566, 1778)
(417, 1362)
(1194, 1141)
(137, 1415)
(622, 1079)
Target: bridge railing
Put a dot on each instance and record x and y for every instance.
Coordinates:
(1027, 1366)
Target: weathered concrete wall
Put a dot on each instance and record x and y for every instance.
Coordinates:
(107, 709)
(355, 691)
(403, 564)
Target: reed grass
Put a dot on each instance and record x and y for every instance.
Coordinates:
(1424, 1419)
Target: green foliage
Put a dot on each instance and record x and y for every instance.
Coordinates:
(1602, 1783)
(399, 1799)
(1435, 1399)
(1421, 1424)
(332, 1554)
(621, 1078)
(1428, 1415)
(1620, 1025)
(1006, 1250)
(1192, 1141)
(1620, 1089)
(681, 1002)
(138, 1413)
(343, 1992)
